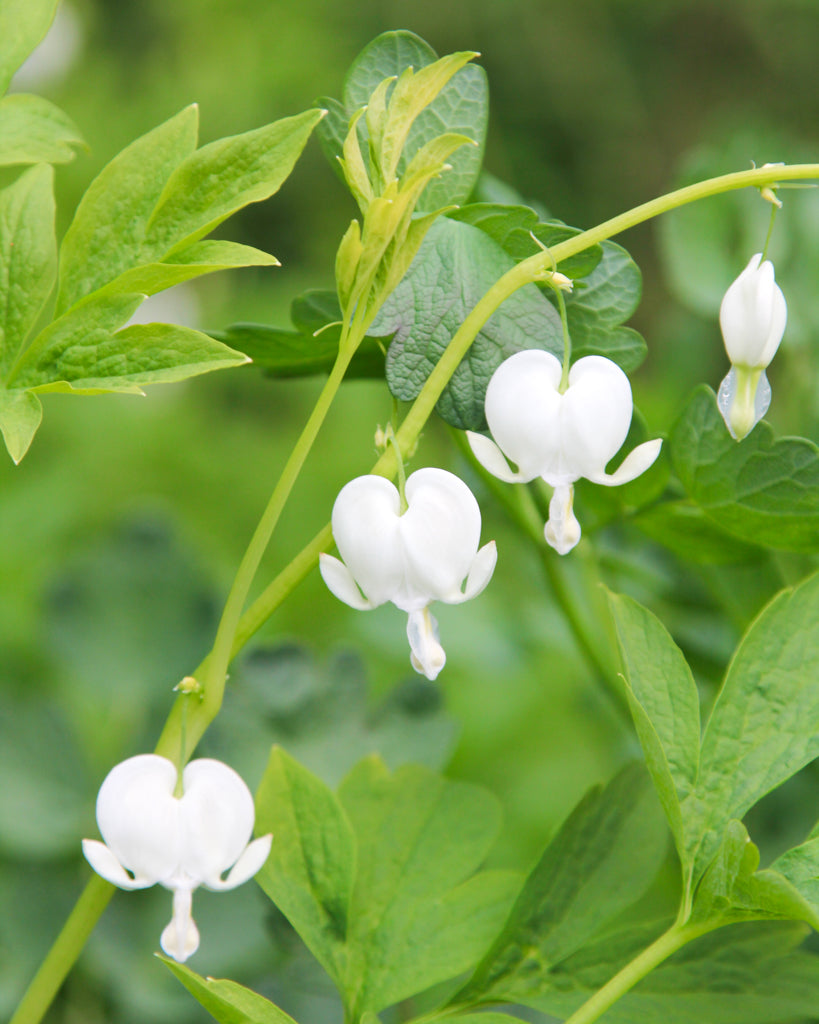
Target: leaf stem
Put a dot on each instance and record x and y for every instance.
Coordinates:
(677, 936)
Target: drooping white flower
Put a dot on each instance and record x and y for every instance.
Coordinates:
(411, 558)
(752, 317)
(559, 436)
(181, 842)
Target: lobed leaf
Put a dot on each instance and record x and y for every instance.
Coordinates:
(34, 130)
(227, 1001)
(455, 266)
(764, 491)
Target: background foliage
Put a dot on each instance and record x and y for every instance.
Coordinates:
(124, 524)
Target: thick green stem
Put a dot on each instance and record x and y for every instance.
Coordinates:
(661, 949)
(76, 930)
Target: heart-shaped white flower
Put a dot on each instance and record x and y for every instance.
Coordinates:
(559, 436)
(180, 842)
(411, 558)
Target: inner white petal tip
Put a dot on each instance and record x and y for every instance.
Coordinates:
(562, 530)
(427, 655)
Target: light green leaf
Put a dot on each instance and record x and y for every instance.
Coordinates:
(309, 874)
(473, 1018)
(419, 915)
(20, 416)
(454, 267)
(33, 130)
(665, 704)
(28, 257)
(764, 490)
(108, 231)
(742, 974)
(227, 1001)
(224, 176)
(93, 360)
(461, 107)
(602, 859)
(23, 23)
(765, 723)
(801, 867)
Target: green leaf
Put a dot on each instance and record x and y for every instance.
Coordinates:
(309, 874)
(227, 1001)
(461, 107)
(20, 416)
(108, 231)
(455, 266)
(742, 974)
(222, 177)
(512, 227)
(801, 867)
(82, 354)
(23, 23)
(310, 349)
(664, 702)
(34, 130)
(602, 859)
(765, 723)
(685, 529)
(419, 915)
(765, 491)
(28, 257)
(600, 303)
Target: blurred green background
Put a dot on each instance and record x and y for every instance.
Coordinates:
(124, 524)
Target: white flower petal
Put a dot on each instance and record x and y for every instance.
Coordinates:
(480, 573)
(427, 656)
(493, 460)
(251, 861)
(752, 315)
(104, 862)
(523, 411)
(138, 816)
(562, 530)
(216, 818)
(440, 533)
(595, 417)
(635, 463)
(365, 523)
(340, 582)
(180, 939)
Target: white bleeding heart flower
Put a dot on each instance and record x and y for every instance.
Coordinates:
(752, 317)
(559, 436)
(409, 557)
(180, 842)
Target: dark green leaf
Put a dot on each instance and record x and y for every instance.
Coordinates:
(309, 873)
(221, 178)
(765, 723)
(665, 705)
(419, 915)
(741, 974)
(600, 303)
(686, 530)
(33, 130)
(601, 860)
(23, 23)
(227, 1001)
(763, 490)
(455, 266)
(107, 234)
(28, 257)
(512, 228)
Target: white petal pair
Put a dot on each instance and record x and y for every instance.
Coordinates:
(752, 316)
(427, 553)
(180, 842)
(559, 436)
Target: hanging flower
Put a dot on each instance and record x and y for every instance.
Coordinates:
(180, 842)
(409, 557)
(559, 436)
(752, 317)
